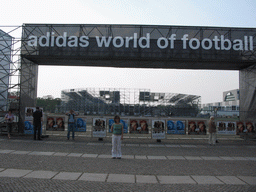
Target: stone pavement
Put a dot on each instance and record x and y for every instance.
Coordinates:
(178, 164)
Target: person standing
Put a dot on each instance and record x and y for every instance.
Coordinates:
(212, 131)
(9, 117)
(117, 129)
(71, 123)
(37, 121)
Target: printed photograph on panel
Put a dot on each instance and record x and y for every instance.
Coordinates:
(80, 124)
(250, 128)
(176, 127)
(171, 127)
(139, 126)
(29, 127)
(231, 128)
(221, 127)
(29, 113)
(158, 129)
(180, 127)
(201, 128)
(99, 127)
(192, 129)
(240, 128)
(50, 124)
(60, 125)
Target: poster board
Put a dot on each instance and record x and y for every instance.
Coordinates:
(158, 129)
(176, 127)
(55, 123)
(250, 128)
(99, 128)
(227, 127)
(197, 127)
(80, 125)
(139, 126)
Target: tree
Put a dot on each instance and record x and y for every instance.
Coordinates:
(48, 104)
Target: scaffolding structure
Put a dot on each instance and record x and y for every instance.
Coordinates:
(10, 46)
(122, 101)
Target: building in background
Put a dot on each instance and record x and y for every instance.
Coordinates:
(130, 102)
(229, 107)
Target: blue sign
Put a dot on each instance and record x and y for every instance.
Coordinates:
(175, 128)
(80, 125)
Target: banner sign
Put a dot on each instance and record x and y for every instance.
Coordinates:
(176, 127)
(123, 121)
(139, 126)
(158, 129)
(99, 127)
(132, 42)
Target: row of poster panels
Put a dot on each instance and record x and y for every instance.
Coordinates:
(237, 127)
(141, 126)
(58, 124)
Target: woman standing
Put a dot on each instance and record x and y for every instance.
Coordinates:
(117, 129)
(9, 117)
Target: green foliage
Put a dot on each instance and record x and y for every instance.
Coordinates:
(48, 105)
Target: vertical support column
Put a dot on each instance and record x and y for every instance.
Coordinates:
(28, 88)
(247, 87)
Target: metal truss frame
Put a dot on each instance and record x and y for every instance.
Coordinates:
(10, 67)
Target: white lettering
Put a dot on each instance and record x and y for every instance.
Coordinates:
(209, 43)
(127, 41)
(216, 42)
(245, 43)
(102, 41)
(191, 43)
(52, 40)
(84, 41)
(64, 40)
(172, 39)
(135, 40)
(46, 38)
(238, 44)
(165, 42)
(147, 39)
(73, 41)
(251, 43)
(121, 43)
(223, 41)
(32, 41)
(184, 39)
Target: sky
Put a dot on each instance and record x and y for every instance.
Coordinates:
(209, 84)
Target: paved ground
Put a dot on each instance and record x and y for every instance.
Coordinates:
(176, 164)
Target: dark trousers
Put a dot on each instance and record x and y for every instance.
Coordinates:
(71, 128)
(37, 128)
